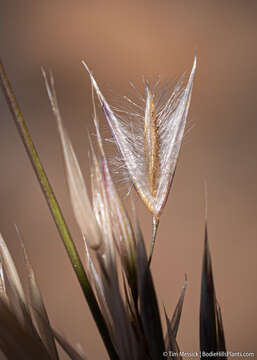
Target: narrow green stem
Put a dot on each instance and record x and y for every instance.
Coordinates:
(155, 226)
(56, 213)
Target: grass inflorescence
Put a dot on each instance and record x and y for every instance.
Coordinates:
(117, 281)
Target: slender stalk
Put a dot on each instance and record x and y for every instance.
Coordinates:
(56, 213)
(155, 226)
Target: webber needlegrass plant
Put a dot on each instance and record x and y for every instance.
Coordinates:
(117, 281)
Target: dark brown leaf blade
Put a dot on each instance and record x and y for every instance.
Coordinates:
(149, 310)
(208, 340)
(221, 335)
(178, 310)
(173, 324)
(211, 328)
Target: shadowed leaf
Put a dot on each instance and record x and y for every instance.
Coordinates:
(149, 309)
(173, 324)
(221, 335)
(16, 341)
(178, 310)
(211, 328)
(171, 343)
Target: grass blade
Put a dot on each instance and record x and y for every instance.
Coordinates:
(178, 310)
(16, 286)
(56, 212)
(3, 293)
(38, 309)
(73, 354)
(173, 324)
(211, 328)
(16, 341)
(78, 192)
(208, 340)
(149, 309)
(221, 336)
(171, 343)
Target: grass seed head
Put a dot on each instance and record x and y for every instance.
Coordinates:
(150, 145)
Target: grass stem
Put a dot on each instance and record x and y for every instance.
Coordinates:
(155, 226)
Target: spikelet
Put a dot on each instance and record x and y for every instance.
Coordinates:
(78, 192)
(150, 149)
(121, 227)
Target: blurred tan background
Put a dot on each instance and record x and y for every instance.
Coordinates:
(123, 41)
